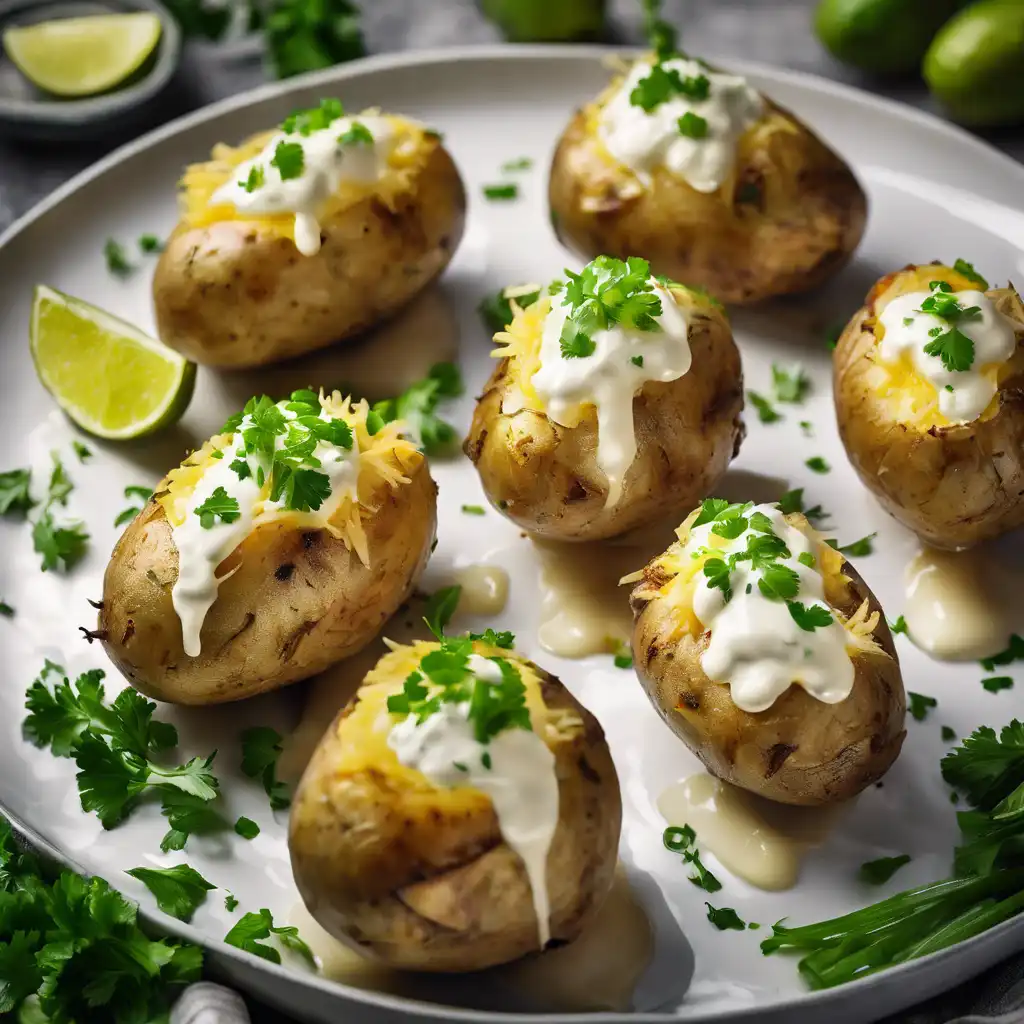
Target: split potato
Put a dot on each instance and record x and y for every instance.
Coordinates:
(800, 750)
(419, 876)
(954, 484)
(545, 477)
(787, 218)
(232, 290)
(297, 594)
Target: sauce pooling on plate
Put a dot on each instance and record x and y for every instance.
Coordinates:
(680, 115)
(446, 736)
(305, 163)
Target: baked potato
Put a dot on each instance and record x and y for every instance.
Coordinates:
(670, 440)
(420, 870)
(756, 206)
(942, 451)
(233, 581)
(266, 264)
(796, 696)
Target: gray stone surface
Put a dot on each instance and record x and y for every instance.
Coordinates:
(773, 31)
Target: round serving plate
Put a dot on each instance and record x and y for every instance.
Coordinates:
(935, 192)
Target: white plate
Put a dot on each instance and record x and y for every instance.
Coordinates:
(926, 182)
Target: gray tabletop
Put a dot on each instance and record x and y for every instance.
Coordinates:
(772, 31)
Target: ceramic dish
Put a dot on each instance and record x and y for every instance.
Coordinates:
(935, 193)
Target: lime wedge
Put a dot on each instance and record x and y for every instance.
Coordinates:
(109, 377)
(83, 56)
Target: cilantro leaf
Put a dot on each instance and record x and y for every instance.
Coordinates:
(253, 927)
(187, 815)
(818, 465)
(178, 890)
(230, 903)
(357, 135)
(301, 36)
(996, 683)
(504, 639)
(710, 510)
(255, 179)
(83, 452)
(290, 160)
(859, 548)
(790, 384)
(440, 608)
(60, 546)
(219, 505)
(117, 261)
(899, 626)
(779, 582)
(496, 310)
(416, 406)
(765, 412)
(576, 346)
(878, 872)
(809, 617)
(954, 348)
(968, 271)
(14, 494)
(261, 747)
(60, 484)
(725, 918)
(692, 126)
(308, 489)
(1014, 652)
(314, 119)
(716, 571)
(247, 828)
(919, 704)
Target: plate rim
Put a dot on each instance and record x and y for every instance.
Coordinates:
(506, 53)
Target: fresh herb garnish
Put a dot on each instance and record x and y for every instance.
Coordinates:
(251, 928)
(948, 734)
(261, 747)
(254, 180)
(61, 546)
(725, 918)
(150, 244)
(303, 36)
(692, 126)
(289, 159)
(416, 407)
(523, 163)
(809, 617)
(954, 348)
(14, 491)
(662, 84)
(474, 510)
(899, 626)
(878, 872)
(790, 384)
(188, 815)
(918, 704)
(315, 119)
(509, 190)
(6, 610)
(230, 903)
(219, 505)
(178, 891)
(82, 451)
(967, 270)
(440, 608)
(117, 261)
(357, 135)
(496, 310)
(996, 683)
(637, 360)
(623, 656)
(765, 411)
(818, 465)
(859, 548)
(1014, 652)
(247, 828)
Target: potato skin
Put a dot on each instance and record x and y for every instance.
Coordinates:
(418, 888)
(803, 220)
(801, 750)
(299, 601)
(545, 477)
(955, 485)
(236, 294)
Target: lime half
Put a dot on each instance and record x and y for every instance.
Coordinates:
(109, 377)
(83, 56)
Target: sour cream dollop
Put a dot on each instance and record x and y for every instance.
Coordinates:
(327, 162)
(202, 548)
(646, 139)
(963, 395)
(520, 779)
(623, 361)
(756, 645)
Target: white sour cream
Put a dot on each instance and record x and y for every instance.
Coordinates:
(521, 781)
(963, 394)
(608, 379)
(644, 140)
(756, 646)
(327, 163)
(201, 549)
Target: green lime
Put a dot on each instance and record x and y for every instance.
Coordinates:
(108, 376)
(83, 56)
(882, 36)
(975, 66)
(547, 21)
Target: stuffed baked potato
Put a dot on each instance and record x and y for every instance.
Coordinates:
(718, 187)
(426, 849)
(767, 654)
(280, 251)
(245, 572)
(540, 449)
(941, 449)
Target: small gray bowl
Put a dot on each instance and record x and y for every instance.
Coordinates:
(27, 112)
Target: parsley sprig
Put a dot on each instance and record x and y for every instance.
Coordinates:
(952, 346)
(261, 747)
(416, 408)
(251, 928)
(62, 545)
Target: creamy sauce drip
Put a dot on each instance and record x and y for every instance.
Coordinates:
(760, 841)
(954, 607)
(756, 645)
(520, 781)
(484, 589)
(327, 163)
(201, 550)
(963, 395)
(608, 380)
(645, 140)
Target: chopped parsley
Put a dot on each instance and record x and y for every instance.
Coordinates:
(765, 411)
(439, 609)
(188, 815)
(790, 384)
(178, 891)
(261, 747)
(61, 546)
(662, 84)
(303, 36)
(496, 310)
(859, 548)
(128, 514)
(918, 704)
(247, 828)
(523, 163)
(230, 903)
(948, 734)
(793, 501)
(82, 451)
(725, 918)
(14, 491)
(878, 872)
(954, 348)
(219, 505)
(637, 360)
(357, 135)
(623, 656)
(416, 407)
(509, 190)
(6, 610)
(818, 465)
(250, 929)
(899, 626)
(150, 244)
(474, 510)
(692, 126)
(809, 617)
(117, 261)
(967, 270)
(996, 683)
(315, 119)
(255, 179)
(289, 159)
(1014, 652)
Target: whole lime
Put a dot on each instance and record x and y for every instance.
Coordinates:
(547, 21)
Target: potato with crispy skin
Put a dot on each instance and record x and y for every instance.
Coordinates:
(800, 750)
(786, 217)
(545, 476)
(298, 593)
(954, 484)
(233, 290)
(419, 876)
